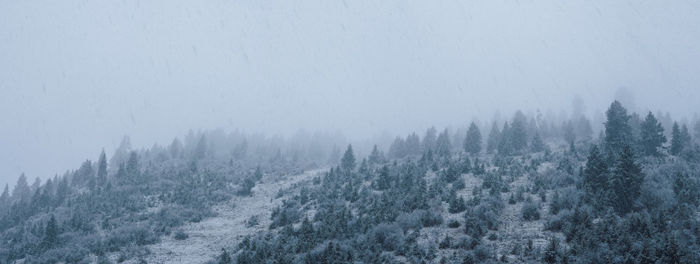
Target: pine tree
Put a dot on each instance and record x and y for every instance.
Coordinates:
(224, 257)
(412, 145)
(384, 179)
(677, 143)
(596, 172)
(21, 192)
(472, 142)
(537, 144)
(5, 197)
(429, 140)
(518, 132)
(494, 139)
(618, 132)
(685, 136)
(102, 169)
(257, 175)
(651, 135)
(583, 129)
(247, 186)
(626, 182)
(50, 239)
(504, 143)
(132, 166)
(347, 163)
(551, 254)
(200, 151)
(442, 145)
(375, 157)
(396, 150)
(569, 133)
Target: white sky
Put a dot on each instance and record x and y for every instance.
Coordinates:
(75, 76)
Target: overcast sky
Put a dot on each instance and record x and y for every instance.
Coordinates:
(75, 76)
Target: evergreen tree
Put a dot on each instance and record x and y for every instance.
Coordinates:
(442, 145)
(472, 142)
(677, 140)
(685, 135)
(384, 179)
(200, 151)
(429, 140)
(247, 186)
(224, 258)
(537, 144)
(257, 175)
(551, 254)
(50, 239)
(375, 157)
(618, 132)
(687, 189)
(595, 173)
(626, 182)
(412, 145)
(494, 139)
(396, 150)
(132, 166)
(347, 163)
(102, 169)
(21, 192)
(584, 129)
(518, 132)
(504, 143)
(569, 133)
(651, 135)
(175, 149)
(5, 197)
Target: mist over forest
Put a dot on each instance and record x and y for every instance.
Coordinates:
(349, 131)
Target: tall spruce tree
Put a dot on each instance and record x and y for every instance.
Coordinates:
(5, 197)
(677, 139)
(472, 142)
(651, 136)
(595, 174)
(412, 145)
(429, 140)
(625, 182)
(618, 132)
(347, 163)
(494, 139)
(569, 133)
(132, 170)
(21, 192)
(518, 132)
(443, 147)
(50, 239)
(375, 157)
(537, 144)
(504, 143)
(102, 169)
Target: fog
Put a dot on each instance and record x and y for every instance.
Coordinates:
(76, 76)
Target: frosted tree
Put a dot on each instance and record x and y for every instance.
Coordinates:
(102, 169)
(472, 142)
(651, 136)
(618, 132)
(494, 139)
(429, 140)
(518, 133)
(347, 163)
(443, 146)
(626, 182)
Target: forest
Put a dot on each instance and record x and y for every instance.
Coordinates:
(529, 191)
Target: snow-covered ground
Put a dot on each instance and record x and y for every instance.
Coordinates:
(209, 236)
